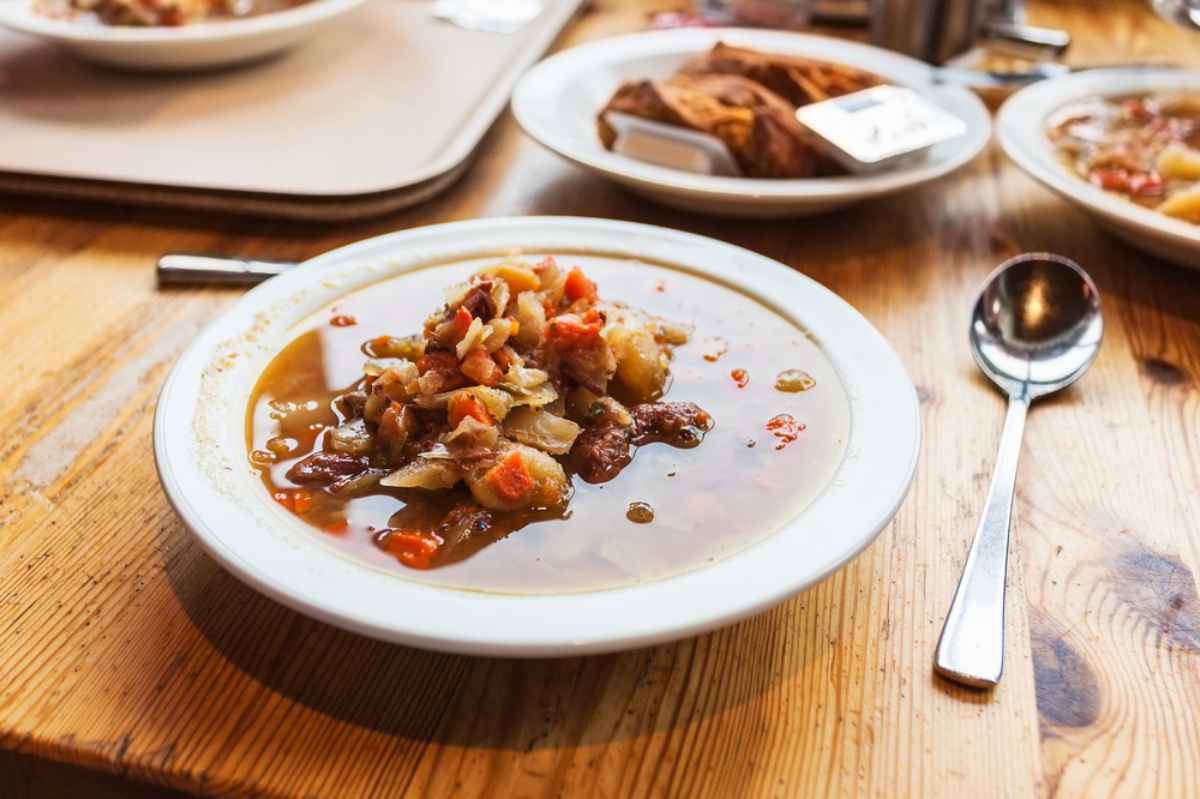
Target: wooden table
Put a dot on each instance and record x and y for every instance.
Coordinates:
(124, 649)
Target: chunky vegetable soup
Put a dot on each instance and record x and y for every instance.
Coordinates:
(158, 13)
(557, 423)
(1145, 148)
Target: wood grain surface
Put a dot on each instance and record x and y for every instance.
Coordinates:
(125, 650)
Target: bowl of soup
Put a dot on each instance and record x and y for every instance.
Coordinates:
(537, 436)
(1123, 144)
(172, 35)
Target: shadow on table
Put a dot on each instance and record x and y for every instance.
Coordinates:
(503, 703)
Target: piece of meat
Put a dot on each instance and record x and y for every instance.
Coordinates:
(463, 521)
(601, 451)
(323, 468)
(676, 104)
(796, 79)
(680, 424)
(479, 303)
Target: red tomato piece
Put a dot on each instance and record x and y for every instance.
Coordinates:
(579, 286)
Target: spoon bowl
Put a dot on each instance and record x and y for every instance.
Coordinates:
(1035, 329)
(1036, 326)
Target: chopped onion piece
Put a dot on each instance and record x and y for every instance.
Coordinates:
(500, 293)
(432, 475)
(474, 433)
(353, 437)
(522, 378)
(531, 317)
(536, 397)
(456, 294)
(542, 430)
(475, 335)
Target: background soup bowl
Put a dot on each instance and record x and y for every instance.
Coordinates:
(1021, 128)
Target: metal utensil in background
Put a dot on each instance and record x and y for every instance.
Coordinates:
(978, 78)
(1184, 13)
(1035, 329)
(179, 270)
(937, 30)
(783, 14)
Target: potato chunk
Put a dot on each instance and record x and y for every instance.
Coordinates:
(1184, 205)
(531, 319)
(641, 363)
(1179, 161)
(521, 477)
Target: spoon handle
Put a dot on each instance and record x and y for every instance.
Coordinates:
(177, 269)
(971, 649)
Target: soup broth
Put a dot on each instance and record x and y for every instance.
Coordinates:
(771, 451)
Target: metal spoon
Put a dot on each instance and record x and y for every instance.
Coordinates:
(1035, 329)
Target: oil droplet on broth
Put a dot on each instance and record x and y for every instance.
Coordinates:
(793, 380)
(640, 513)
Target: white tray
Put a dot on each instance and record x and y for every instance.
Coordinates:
(381, 111)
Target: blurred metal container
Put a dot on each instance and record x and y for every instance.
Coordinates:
(938, 30)
(786, 14)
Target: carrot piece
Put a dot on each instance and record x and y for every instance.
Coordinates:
(413, 549)
(578, 286)
(463, 405)
(462, 321)
(285, 499)
(479, 366)
(511, 479)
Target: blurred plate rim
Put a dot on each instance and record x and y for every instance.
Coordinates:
(20, 15)
(553, 75)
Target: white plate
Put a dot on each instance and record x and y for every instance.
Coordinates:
(199, 445)
(195, 46)
(1021, 127)
(557, 102)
